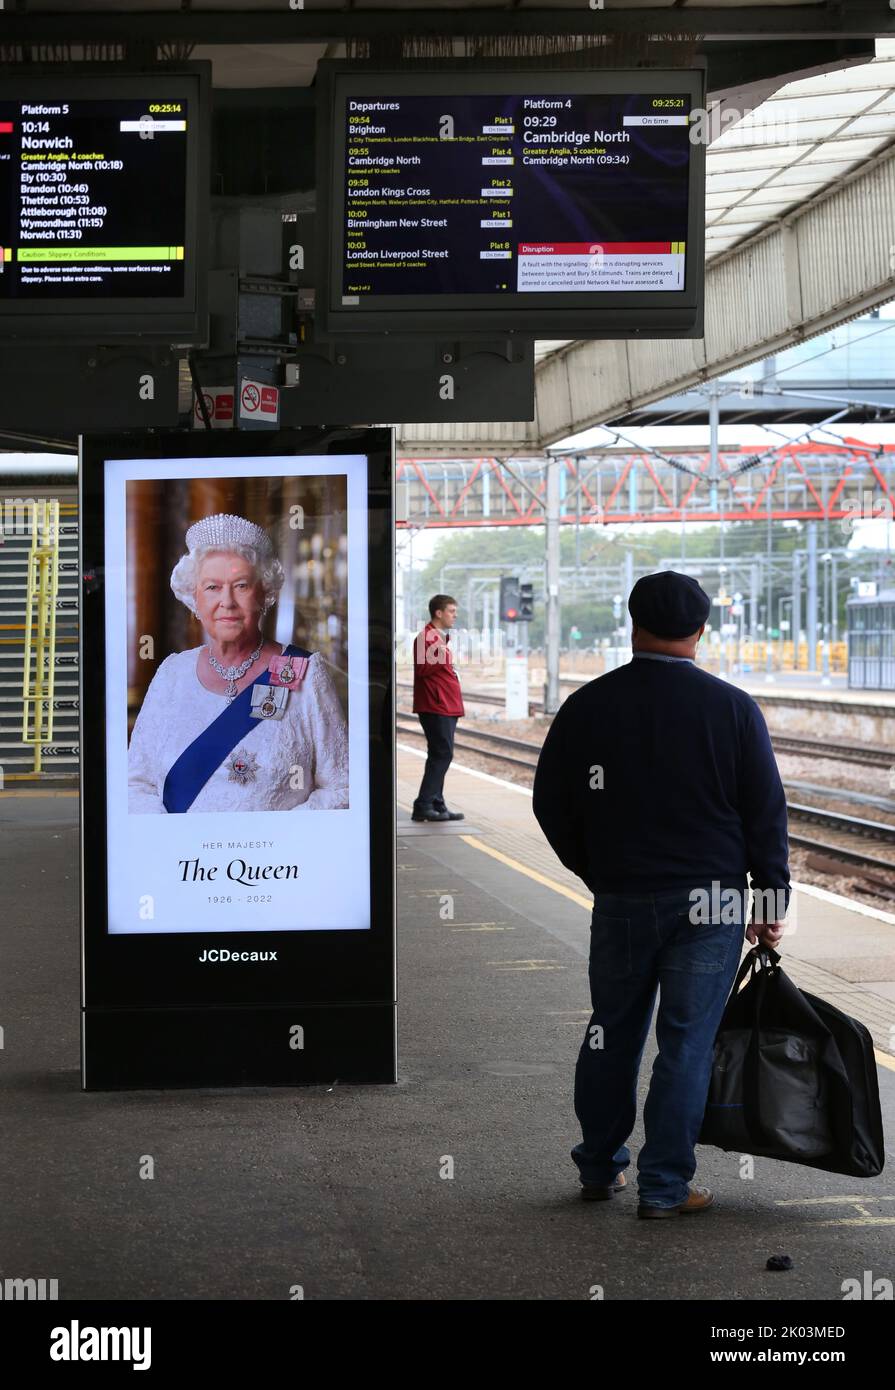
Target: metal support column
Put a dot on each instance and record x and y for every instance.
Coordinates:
(714, 416)
(769, 660)
(551, 576)
(795, 616)
(629, 585)
(811, 619)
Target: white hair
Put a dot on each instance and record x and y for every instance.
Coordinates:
(185, 575)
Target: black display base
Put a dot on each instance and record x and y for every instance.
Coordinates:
(138, 1049)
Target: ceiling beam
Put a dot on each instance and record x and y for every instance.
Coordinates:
(849, 19)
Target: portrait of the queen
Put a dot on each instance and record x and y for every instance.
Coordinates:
(241, 722)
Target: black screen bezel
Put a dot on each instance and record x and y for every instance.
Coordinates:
(312, 967)
(674, 313)
(179, 319)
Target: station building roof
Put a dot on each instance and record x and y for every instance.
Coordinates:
(777, 157)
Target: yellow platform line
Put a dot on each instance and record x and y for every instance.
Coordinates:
(39, 791)
(884, 1059)
(529, 873)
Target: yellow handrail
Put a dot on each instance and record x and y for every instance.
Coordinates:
(40, 627)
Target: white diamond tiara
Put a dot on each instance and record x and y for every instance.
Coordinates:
(223, 531)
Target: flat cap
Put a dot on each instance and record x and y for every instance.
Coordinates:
(669, 604)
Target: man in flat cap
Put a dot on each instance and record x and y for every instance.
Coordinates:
(657, 785)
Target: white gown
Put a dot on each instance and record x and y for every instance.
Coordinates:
(302, 759)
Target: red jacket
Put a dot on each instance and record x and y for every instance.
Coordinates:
(436, 687)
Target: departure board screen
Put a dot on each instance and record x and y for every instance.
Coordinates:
(536, 193)
(99, 201)
(576, 190)
(92, 198)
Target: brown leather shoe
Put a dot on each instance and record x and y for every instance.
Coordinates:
(593, 1192)
(698, 1199)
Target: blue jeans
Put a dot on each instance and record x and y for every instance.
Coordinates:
(641, 944)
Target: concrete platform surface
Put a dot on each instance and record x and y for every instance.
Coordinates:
(454, 1184)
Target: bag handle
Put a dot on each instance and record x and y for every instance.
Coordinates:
(763, 959)
(764, 962)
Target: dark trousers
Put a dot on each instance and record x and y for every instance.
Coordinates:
(439, 731)
(641, 944)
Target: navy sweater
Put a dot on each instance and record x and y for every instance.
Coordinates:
(690, 789)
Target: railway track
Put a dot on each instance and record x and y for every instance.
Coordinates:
(846, 856)
(803, 747)
(841, 752)
(848, 825)
(521, 754)
(883, 803)
(489, 745)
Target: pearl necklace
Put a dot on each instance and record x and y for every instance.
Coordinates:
(234, 673)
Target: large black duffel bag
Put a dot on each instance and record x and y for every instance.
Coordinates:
(793, 1077)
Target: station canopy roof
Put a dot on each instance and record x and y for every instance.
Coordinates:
(806, 136)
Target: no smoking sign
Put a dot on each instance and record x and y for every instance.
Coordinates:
(258, 401)
(219, 406)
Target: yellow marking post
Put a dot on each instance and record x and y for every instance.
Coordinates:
(39, 658)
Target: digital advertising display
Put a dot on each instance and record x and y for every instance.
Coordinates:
(233, 802)
(514, 196)
(103, 182)
(238, 790)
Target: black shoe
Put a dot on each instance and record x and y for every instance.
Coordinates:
(451, 815)
(430, 814)
(592, 1192)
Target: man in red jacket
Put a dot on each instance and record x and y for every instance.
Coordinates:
(438, 702)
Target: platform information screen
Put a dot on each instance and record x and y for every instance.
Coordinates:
(515, 197)
(92, 198)
(98, 199)
(569, 191)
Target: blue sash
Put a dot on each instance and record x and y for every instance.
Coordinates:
(188, 775)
